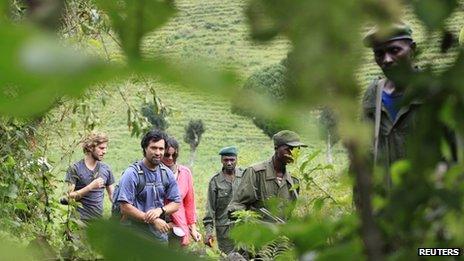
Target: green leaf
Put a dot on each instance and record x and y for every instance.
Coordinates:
(398, 169)
(347, 251)
(36, 70)
(132, 19)
(21, 206)
(117, 242)
(252, 234)
(308, 235)
(434, 12)
(13, 251)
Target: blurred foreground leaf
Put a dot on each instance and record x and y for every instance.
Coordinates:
(252, 235)
(434, 12)
(14, 251)
(133, 19)
(117, 242)
(35, 70)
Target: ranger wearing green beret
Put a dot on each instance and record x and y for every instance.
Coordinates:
(221, 188)
(268, 182)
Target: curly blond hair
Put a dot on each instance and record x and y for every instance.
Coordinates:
(92, 140)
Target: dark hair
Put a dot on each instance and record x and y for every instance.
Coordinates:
(171, 142)
(153, 135)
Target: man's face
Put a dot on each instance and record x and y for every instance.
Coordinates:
(99, 151)
(170, 157)
(229, 162)
(155, 151)
(391, 54)
(284, 154)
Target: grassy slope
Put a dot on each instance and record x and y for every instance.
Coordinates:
(215, 29)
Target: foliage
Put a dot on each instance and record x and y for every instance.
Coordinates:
(269, 81)
(193, 132)
(403, 220)
(156, 113)
(424, 208)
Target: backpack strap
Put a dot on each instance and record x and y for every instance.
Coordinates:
(164, 177)
(378, 110)
(141, 179)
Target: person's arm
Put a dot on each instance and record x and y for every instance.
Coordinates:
(171, 207)
(189, 201)
(245, 194)
(132, 212)
(208, 220)
(110, 184)
(190, 209)
(110, 190)
(78, 194)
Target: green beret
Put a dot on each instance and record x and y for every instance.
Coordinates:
(228, 151)
(286, 137)
(379, 35)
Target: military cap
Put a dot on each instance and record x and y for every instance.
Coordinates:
(286, 137)
(228, 151)
(379, 35)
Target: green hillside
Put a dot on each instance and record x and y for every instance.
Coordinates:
(218, 31)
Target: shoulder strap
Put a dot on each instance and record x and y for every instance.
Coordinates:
(378, 109)
(141, 179)
(163, 178)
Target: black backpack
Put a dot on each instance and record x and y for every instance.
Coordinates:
(141, 183)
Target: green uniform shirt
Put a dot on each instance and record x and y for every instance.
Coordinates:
(259, 185)
(393, 133)
(220, 193)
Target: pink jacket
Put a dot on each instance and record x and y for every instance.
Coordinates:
(186, 215)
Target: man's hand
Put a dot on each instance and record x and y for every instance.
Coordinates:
(195, 234)
(161, 225)
(209, 239)
(97, 183)
(152, 214)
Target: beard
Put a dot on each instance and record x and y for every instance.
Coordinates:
(155, 161)
(96, 156)
(229, 168)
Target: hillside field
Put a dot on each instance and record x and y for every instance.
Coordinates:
(215, 30)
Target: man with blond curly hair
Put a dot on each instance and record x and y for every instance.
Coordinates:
(88, 177)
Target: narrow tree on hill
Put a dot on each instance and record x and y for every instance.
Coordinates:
(193, 132)
(156, 113)
(328, 131)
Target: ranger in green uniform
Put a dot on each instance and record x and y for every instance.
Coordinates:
(393, 49)
(269, 181)
(222, 187)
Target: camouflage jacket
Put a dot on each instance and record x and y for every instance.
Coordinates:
(393, 133)
(220, 193)
(260, 186)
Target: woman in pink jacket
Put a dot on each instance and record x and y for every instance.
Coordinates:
(184, 219)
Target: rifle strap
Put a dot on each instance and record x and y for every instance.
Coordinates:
(378, 110)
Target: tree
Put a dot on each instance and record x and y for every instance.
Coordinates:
(156, 113)
(328, 131)
(269, 81)
(193, 132)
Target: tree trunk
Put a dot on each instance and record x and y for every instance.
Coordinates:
(329, 150)
(361, 166)
(192, 156)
